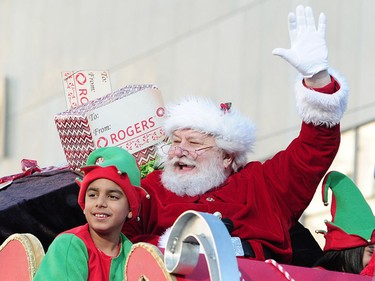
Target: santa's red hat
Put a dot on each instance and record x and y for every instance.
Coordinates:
(233, 132)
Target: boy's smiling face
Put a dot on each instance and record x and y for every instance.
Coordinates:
(106, 206)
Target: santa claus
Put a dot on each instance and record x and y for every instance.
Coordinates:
(205, 163)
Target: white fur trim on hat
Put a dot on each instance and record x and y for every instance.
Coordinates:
(233, 132)
(322, 109)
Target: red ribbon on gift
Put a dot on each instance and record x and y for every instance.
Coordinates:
(28, 167)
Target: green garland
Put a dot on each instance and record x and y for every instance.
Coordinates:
(148, 168)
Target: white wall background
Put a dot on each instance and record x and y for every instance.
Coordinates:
(216, 48)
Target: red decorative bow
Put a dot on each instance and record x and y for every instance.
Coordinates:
(225, 106)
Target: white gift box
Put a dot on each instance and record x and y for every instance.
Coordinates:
(129, 118)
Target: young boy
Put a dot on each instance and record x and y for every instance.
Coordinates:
(109, 194)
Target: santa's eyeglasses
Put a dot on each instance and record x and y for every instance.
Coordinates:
(171, 150)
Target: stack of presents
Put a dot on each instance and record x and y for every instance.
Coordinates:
(129, 117)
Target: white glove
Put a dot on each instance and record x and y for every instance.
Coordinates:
(308, 52)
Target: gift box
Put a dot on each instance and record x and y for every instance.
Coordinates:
(85, 85)
(129, 118)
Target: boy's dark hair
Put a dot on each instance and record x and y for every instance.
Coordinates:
(348, 260)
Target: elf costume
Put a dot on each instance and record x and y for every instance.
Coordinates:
(73, 255)
(353, 222)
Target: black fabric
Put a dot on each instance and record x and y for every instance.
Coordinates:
(248, 251)
(306, 251)
(246, 246)
(43, 204)
(228, 224)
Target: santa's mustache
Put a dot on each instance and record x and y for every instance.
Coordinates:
(178, 161)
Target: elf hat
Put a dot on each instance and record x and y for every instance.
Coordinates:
(353, 222)
(233, 132)
(117, 165)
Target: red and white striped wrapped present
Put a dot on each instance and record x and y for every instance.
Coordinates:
(129, 117)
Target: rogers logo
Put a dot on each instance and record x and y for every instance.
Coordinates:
(123, 134)
(160, 111)
(102, 142)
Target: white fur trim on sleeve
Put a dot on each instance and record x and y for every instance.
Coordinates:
(319, 108)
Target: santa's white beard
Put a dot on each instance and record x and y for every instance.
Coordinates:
(208, 176)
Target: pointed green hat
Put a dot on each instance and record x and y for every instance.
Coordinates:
(353, 222)
(118, 165)
(115, 156)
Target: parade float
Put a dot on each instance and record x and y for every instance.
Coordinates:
(39, 203)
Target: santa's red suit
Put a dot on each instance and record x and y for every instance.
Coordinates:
(263, 200)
